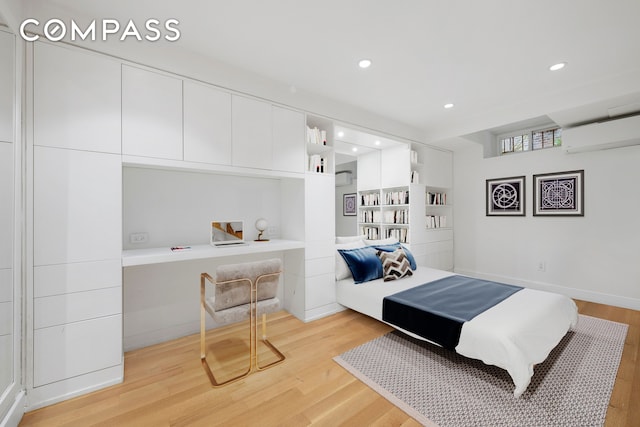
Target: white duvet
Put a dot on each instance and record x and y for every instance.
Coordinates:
(514, 335)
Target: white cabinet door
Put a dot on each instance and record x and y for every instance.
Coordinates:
(151, 114)
(6, 205)
(207, 124)
(6, 86)
(319, 194)
(77, 213)
(251, 129)
(76, 99)
(288, 140)
(369, 171)
(438, 168)
(395, 170)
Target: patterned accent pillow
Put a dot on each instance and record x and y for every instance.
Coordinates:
(395, 265)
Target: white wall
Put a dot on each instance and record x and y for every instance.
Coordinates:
(595, 257)
(182, 212)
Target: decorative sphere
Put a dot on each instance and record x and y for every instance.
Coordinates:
(261, 224)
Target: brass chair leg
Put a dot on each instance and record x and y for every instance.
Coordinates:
(203, 351)
(274, 350)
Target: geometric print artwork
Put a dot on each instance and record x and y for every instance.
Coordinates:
(505, 196)
(395, 265)
(559, 194)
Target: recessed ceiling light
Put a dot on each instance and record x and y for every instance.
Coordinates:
(449, 105)
(377, 142)
(364, 63)
(340, 134)
(558, 66)
(354, 149)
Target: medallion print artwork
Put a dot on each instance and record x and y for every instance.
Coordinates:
(505, 196)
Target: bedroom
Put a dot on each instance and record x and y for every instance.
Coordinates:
(592, 258)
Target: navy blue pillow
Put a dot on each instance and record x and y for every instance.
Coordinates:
(392, 247)
(363, 263)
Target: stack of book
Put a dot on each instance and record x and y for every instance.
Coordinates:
(316, 136)
(436, 198)
(436, 221)
(400, 197)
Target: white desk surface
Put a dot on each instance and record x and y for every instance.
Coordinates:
(133, 257)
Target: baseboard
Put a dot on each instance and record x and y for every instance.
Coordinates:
(59, 391)
(581, 294)
(14, 415)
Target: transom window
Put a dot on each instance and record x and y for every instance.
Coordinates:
(530, 140)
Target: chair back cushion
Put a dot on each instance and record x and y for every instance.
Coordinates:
(237, 293)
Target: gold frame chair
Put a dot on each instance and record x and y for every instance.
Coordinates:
(254, 363)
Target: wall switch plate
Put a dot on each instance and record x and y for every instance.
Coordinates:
(542, 266)
(138, 237)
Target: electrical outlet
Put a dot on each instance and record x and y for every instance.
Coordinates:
(272, 230)
(138, 237)
(542, 266)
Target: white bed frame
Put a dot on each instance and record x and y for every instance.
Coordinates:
(515, 334)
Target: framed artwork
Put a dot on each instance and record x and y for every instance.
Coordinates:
(559, 194)
(349, 204)
(505, 196)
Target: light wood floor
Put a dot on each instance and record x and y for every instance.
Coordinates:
(166, 385)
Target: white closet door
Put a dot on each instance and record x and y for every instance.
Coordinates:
(77, 206)
(288, 140)
(207, 124)
(252, 138)
(151, 114)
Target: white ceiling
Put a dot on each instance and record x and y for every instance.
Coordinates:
(490, 58)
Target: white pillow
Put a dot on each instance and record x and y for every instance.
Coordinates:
(387, 241)
(348, 239)
(342, 269)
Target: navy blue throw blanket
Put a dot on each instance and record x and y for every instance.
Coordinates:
(437, 310)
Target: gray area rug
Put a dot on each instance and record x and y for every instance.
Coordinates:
(439, 387)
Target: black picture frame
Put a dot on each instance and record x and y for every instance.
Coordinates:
(506, 196)
(559, 194)
(349, 204)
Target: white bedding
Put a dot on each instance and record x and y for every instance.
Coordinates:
(515, 334)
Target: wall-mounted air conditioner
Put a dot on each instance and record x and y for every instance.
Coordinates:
(604, 135)
(343, 178)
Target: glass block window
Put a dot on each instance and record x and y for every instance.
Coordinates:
(530, 140)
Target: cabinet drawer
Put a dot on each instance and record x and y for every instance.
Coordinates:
(320, 290)
(75, 307)
(319, 266)
(83, 276)
(65, 351)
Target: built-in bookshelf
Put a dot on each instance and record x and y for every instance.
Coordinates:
(319, 146)
(438, 208)
(385, 213)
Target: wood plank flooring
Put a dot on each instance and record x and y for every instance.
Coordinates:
(165, 384)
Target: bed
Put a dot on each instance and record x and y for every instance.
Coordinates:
(515, 334)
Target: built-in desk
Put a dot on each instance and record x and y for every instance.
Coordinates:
(133, 257)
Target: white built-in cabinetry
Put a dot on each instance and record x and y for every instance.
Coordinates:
(288, 149)
(151, 114)
(207, 124)
(437, 171)
(319, 215)
(385, 176)
(76, 278)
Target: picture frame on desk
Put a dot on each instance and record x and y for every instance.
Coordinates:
(349, 204)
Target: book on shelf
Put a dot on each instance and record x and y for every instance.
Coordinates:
(399, 233)
(436, 198)
(371, 233)
(415, 177)
(316, 163)
(316, 136)
(398, 216)
(436, 221)
(370, 216)
(370, 199)
(400, 197)
(414, 156)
